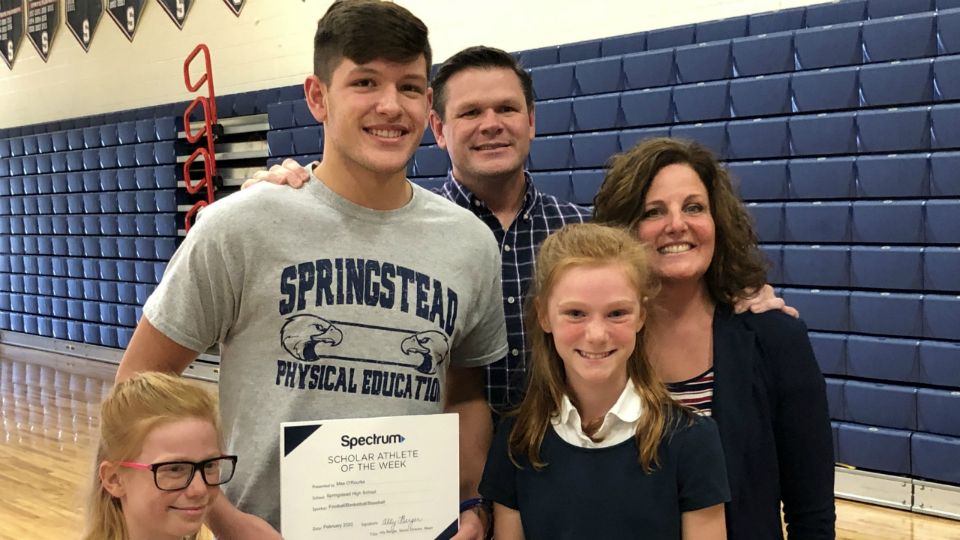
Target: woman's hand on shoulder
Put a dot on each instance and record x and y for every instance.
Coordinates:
(763, 300)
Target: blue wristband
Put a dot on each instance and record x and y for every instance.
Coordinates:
(476, 501)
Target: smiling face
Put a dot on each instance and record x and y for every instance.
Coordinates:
(593, 314)
(150, 512)
(373, 115)
(486, 126)
(677, 224)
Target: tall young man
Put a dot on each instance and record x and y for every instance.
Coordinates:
(356, 300)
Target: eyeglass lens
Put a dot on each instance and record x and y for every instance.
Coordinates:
(175, 476)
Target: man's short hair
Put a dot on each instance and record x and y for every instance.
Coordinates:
(479, 57)
(367, 30)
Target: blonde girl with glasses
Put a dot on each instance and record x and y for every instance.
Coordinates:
(160, 461)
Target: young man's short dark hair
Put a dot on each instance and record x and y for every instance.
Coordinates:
(366, 30)
(479, 57)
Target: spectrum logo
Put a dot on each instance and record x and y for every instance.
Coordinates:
(370, 440)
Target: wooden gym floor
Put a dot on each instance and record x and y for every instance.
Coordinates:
(49, 408)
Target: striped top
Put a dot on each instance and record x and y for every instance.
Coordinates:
(696, 393)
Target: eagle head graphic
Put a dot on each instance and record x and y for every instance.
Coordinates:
(302, 334)
(431, 345)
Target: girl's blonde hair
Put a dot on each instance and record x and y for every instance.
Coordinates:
(130, 411)
(573, 246)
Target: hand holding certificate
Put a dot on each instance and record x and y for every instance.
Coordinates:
(392, 477)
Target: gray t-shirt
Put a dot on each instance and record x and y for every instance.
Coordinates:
(326, 309)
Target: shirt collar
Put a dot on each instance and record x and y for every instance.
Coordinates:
(462, 195)
(626, 410)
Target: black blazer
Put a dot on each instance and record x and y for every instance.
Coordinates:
(770, 404)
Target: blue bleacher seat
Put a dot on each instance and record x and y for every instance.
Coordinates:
(874, 448)
(555, 183)
(893, 314)
(594, 149)
(649, 69)
(936, 411)
(109, 136)
(897, 83)
(302, 115)
(596, 112)
(146, 130)
(823, 134)
(836, 13)
(164, 153)
(126, 315)
(538, 57)
(29, 164)
(941, 317)
(939, 362)
(817, 222)
(108, 293)
(671, 37)
(58, 142)
(307, 140)
(630, 137)
(940, 266)
(431, 161)
(945, 121)
(819, 266)
(165, 177)
(830, 46)
(650, 106)
(900, 38)
(75, 139)
(826, 89)
(280, 142)
(91, 333)
(763, 55)
(893, 130)
(108, 268)
(44, 163)
(883, 358)
(144, 177)
(713, 135)
(946, 75)
(835, 398)
(91, 137)
(701, 101)
(893, 176)
(831, 352)
(127, 132)
(146, 224)
(90, 159)
(934, 457)
(166, 128)
(821, 309)
(551, 82)
(758, 138)
(618, 45)
(760, 180)
(886, 267)
(888, 222)
(598, 75)
(776, 21)
(585, 185)
(704, 62)
(948, 25)
(126, 155)
(5, 147)
(768, 220)
(280, 115)
(127, 203)
(554, 116)
(429, 139)
(165, 248)
(880, 404)
(760, 96)
(126, 178)
(940, 222)
(166, 225)
(550, 153)
(733, 27)
(15, 165)
(879, 9)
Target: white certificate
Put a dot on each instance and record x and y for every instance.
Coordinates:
(391, 477)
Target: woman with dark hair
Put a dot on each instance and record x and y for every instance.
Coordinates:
(754, 373)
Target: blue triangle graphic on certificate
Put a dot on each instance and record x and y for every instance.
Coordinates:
(294, 435)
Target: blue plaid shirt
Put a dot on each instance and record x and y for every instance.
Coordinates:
(540, 215)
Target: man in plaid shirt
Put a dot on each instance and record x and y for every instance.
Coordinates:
(483, 116)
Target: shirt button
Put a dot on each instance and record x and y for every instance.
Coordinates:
(526, 217)
(511, 300)
(515, 352)
(477, 203)
(506, 248)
